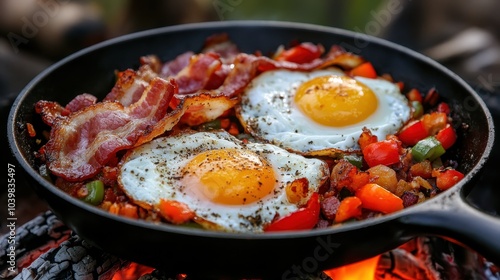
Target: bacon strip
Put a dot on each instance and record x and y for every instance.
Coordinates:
(128, 88)
(81, 101)
(152, 61)
(130, 84)
(202, 108)
(201, 71)
(221, 45)
(51, 111)
(175, 66)
(189, 66)
(198, 73)
(82, 143)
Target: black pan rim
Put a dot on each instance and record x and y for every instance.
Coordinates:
(242, 24)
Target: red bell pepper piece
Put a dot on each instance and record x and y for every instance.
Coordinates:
(304, 218)
(376, 198)
(431, 98)
(401, 85)
(444, 108)
(303, 53)
(364, 70)
(350, 207)
(447, 136)
(175, 212)
(414, 95)
(385, 152)
(129, 210)
(413, 133)
(31, 130)
(448, 178)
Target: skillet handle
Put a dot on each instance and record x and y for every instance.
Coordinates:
(453, 218)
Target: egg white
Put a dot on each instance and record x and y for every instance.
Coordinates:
(153, 172)
(268, 111)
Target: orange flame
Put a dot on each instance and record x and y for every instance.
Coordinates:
(361, 270)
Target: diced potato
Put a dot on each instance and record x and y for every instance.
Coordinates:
(384, 176)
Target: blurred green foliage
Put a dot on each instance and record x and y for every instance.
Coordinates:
(348, 14)
(338, 13)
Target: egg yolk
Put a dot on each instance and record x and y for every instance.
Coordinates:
(230, 176)
(335, 100)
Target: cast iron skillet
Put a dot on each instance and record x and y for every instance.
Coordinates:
(284, 255)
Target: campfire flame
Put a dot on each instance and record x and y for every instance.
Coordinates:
(361, 270)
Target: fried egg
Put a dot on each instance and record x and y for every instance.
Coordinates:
(229, 185)
(320, 112)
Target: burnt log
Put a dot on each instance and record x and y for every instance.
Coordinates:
(73, 259)
(46, 249)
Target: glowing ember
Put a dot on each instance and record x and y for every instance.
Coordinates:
(361, 270)
(132, 271)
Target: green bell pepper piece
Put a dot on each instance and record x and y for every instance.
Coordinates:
(95, 192)
(418, 109)
(428, 148)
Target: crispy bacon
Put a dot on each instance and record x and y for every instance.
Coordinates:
(197, 74)
(203, 108)
(82, 143)
(128, 88)
(81, 101)
(153, 62)
(222, 45)
(50, 111)
(218, 77)
(216, 46)
(130, 84)
(340, 57)
(244, 70)
(202, 71)
(175, 66)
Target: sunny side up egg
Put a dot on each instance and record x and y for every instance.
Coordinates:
(229, 185)
(320, 112)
